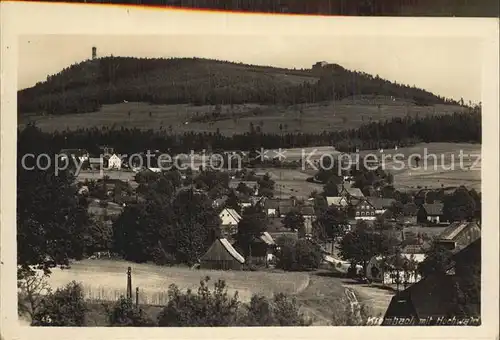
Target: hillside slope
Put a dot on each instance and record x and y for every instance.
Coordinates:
(86, 86)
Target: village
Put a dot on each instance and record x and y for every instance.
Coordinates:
(411, 221)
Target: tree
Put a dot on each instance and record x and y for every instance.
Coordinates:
(99, 236)
(51, 219)
(205, 308)
(298, 255)
(360, 245)
(125, 314)
(251, 226)
(196, 225)
(293, 220)
(266, 186)
(244, 189)
(331, 223)
(286, 311)
(459, 206)
(437, 261)
(32, 287)
(330, 189)
(65, 307)
(233, 202)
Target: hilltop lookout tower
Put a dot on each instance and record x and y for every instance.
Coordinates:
(94, 52)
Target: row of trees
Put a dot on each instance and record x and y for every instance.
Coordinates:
(459, 127)
(84, 87)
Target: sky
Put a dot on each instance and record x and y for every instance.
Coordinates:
(447, 66)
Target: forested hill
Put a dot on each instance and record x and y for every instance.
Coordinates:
(85, 86)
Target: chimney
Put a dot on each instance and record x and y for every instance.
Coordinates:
(94, 52)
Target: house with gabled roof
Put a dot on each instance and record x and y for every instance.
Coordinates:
(345, 190)
(222, 256)
(431, 213)
(229, 221)
(380, 204)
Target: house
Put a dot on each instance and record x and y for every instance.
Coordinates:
(345, 190)
(112, 162)
(271, 207)
(381, 205)
(222, 256)
(432, 298)
(382, 269)
(431, 213)
(320, 64)
(259, 250)
(363, 210)
(337, 201)
(81, 155)
(459, 235)
(229, 221)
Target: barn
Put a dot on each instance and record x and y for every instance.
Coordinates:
(222, 256)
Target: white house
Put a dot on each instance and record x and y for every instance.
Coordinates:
(229, 221)
(114, 162)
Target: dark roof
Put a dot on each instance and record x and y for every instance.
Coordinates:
(434, 209)
(432, 296)
(222, 250)
(234, 184)
(380, 203)
(271, 203)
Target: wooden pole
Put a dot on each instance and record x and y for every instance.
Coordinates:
(129, 283)
(137, 297)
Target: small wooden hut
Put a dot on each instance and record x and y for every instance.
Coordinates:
(222, 256)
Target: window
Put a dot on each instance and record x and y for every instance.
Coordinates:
(357, 213)
(362, 213)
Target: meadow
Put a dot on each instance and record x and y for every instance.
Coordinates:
(104, 281)
(325, 116)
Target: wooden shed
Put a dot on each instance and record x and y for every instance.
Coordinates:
(222, 256)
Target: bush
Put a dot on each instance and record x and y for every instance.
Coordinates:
(206, 308)
(282, 310)
(65, 307)
(352, 315)
(124, 313)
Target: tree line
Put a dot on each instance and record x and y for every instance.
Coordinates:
(401, 132)
(85, 86)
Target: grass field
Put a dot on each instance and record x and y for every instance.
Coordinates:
(105, 280)
(318, 117)
(439, 166)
